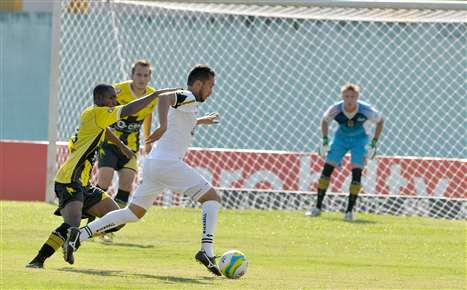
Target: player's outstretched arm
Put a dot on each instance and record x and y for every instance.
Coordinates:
(165, 101)
(169, 90)
(139, 104)
(208, 119)
(121, 146)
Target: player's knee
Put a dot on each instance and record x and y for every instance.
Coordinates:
(126, 178)
(356, 184)
(357, 175)
(217, 197)
(211, 194)
(327, 170)
(104, 177)
(71, 213)
(325, 178)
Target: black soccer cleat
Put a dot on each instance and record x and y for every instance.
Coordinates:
(71, 245)
(35, 264)
(208, 262)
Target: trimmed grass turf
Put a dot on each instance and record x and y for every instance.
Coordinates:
(286, 250)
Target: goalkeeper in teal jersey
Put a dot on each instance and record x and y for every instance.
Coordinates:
(353, 117)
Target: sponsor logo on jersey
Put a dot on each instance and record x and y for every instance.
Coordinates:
(125, 126)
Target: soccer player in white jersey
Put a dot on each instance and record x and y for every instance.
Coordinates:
(353, 117)
(164, 166)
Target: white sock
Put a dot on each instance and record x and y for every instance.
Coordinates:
(209, 213)
(110, 220)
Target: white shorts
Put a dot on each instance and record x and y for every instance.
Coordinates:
(175, 175)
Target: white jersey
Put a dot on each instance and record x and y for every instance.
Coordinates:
(181, 123)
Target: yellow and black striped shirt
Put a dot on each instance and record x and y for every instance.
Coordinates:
(82, 146)
(128, 128)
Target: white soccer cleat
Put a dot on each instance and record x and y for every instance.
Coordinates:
(348, 216)
(313, 212)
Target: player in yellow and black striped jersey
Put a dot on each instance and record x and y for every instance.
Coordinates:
(76, 196)
(128, 131)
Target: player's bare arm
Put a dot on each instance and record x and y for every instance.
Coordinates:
(147, 123)
(139, 104)
(324, 128)
(121, 146)
(165, 101)
(379, 129)
(168, 90)
(208, 119)
(372, 147)
(324, 145)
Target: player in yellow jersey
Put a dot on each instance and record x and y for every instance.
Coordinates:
(128, 131)
(75, 194)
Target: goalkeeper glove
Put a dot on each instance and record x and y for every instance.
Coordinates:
(324, 147)
(372, 149)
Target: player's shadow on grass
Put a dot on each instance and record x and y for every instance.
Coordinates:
(116, 273)
(357, 221)
(128, 245)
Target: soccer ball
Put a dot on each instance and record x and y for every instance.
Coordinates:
(233, 264)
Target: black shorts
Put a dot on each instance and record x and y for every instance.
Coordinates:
(111, 156)
(89, 196)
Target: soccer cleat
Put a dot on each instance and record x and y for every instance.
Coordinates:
(313, 212)
(35, 264)
(71, 245)
(208, 262)
(348, 216)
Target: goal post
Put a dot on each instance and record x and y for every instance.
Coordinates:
(54, 86)
(278, 68)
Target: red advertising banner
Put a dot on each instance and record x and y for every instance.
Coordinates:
(242, 169)
(23, 168)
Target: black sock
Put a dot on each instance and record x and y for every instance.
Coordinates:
(321, 194)
(54, 242)
(122, 196)
(45, 252)
(355, 187)
(323, 183)
(352, 201)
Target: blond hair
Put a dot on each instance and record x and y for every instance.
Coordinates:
(141, 62)
(350, 87)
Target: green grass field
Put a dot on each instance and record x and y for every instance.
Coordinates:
(286, 250)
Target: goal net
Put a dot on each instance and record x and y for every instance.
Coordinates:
(278, 68)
